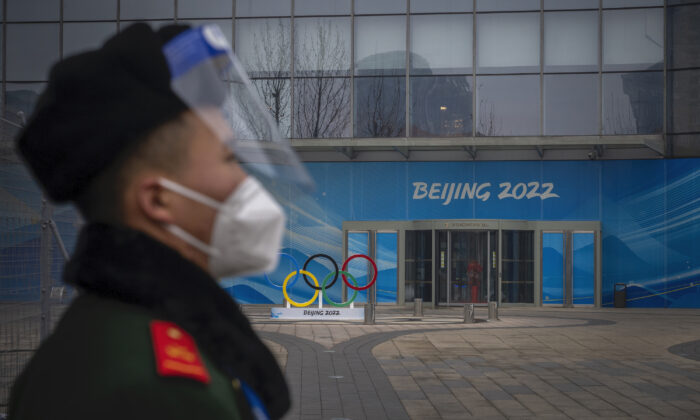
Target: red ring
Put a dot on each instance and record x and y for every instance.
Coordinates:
(374, 278)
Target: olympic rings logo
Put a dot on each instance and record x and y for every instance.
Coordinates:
(322, 288)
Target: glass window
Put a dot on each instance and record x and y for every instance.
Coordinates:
(508, 105)
(204, 8)
(684, 101)
(275, 94)
(387, 261)
(383, 6)
(39, 38)
(633, 39)
(380, 45)
(155, 24)
(633, 103)
(441, 106)
(570, 4)
(22, 97)
(226, 25)
(380, 106)
(78, 37)
(571, 104)
(438, 6)
(33, 10)
(570, 41)
(506, 5)
(322, 7)
(152, 9)
(631, 3)
(89, 9)
(518, 265)
(419, 265)
(508, 42)
(683, 34)
(322, 46)
(245, 8)
(441, 44)
(264, 47)
(322, 107)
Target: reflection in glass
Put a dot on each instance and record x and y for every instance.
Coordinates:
(358, 243)
(380, 106)
(633, 39)
(79, 37)
(387, 262)
(383, 6)
(204, 8)
(583, 268)
(152, 9)
(253, 8)
(683, 34)
(444, 42)
(39, 38)
(440, 6)
(552, 268)
(570, 41)
(322, 7)
(322, 46)
(632, 103)
(89, 9)
(441, 106)
(264, 47)
(570, 4)
(508, 42)
(683, 103)
(419, 265)
(518, 265)
(506, 5)
(508, 105)
(275, 94)
(380, 45)
(20, 99)
(571, 104)
(32, 10)
(322, 107)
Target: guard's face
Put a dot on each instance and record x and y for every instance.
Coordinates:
(211, 169)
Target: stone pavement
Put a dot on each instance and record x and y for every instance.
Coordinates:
(533, 363)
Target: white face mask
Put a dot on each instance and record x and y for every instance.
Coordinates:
(247, 230)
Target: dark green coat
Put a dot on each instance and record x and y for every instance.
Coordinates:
(99, 363)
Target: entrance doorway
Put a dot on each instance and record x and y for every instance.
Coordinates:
(568, 268)
(467, 266)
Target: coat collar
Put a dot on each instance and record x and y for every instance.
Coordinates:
(127, 265)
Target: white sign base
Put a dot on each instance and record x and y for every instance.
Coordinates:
(318, 314)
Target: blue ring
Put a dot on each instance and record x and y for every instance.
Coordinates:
(296, 264)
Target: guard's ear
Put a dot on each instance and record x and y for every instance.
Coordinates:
(154, 201)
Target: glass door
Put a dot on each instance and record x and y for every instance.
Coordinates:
(568, 268)
(467, 269)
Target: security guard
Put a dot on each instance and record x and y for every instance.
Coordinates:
(156, 137)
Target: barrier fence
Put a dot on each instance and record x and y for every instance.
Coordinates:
(35, 238)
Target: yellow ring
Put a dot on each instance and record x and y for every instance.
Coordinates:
(286, 296)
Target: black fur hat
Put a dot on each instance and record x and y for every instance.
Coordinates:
(97, 104)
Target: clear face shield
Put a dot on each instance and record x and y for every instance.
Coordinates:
(212, 82)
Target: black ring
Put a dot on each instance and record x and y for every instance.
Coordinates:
(322, 256)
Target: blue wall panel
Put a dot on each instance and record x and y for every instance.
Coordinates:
(553, 268)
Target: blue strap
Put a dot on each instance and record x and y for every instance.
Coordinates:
(194, 46)
(255, 403)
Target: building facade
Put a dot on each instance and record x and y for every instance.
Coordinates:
(537, 152)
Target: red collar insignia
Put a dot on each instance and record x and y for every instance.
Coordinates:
(176, 352)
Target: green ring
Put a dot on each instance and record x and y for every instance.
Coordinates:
(325, 295)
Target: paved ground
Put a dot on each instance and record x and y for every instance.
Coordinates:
(549, 363)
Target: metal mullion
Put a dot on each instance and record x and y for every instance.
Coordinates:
(667, 146)
(352, 67)
(4, 54)
(119, 12)
(292, 38)
(406, 70)
(60, 31)
(600, 67)
(175, 11)
(542, 70)
(474, 85)
(233, 25)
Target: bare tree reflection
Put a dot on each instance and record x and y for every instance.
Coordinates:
(321, 101)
